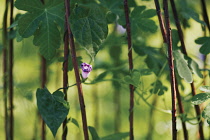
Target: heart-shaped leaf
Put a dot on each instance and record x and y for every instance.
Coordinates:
(52, 107)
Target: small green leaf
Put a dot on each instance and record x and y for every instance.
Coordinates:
(89, 27)
(206, 113)
(52, 107)
(200, 98)
(117, 136)
(205, 41)
(93, 133)
(133, 79)
(182, 67)
(205, 88)
(194, 66)
(74, 121)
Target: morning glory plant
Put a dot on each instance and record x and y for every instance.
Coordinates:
(86, 69)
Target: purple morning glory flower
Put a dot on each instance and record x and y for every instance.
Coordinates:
(86, 69)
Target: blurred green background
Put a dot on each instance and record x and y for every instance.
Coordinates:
(99, 98)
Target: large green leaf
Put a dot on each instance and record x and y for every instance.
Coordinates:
(140, 18)
(89, 27)
(52, 107)
(200, 98)
(206, 113)
(182, 67)
(205, 43)
(42, 21)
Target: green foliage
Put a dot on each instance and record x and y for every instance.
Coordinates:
(158, 88)
(206, 113)
(205, 88)
(140, 19)
(42, 21)
(182, 67)
(52, 107)
(205, 43)
(133, 79)
(200, 98)
(117, 136)
(89, 27)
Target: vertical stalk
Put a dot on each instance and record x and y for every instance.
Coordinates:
(76, 71)
(130, 60)
(205, 14)
(65, 67)
(5, 68)
(11, 106)
(180, 33)
(43, 83)
(171, 67)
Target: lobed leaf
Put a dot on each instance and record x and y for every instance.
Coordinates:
(205, 41)
(52, 107)
(89, 27)
(133, 79)
(42, 21)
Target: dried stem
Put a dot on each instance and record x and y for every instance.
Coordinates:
(5, 68)
(180, 33)
(171, 67)
(76, 71)
(11, 106)
(130, 60)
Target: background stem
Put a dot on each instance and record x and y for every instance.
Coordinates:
(171, 67)
(130, 60)
(76, 71)
(181, 38)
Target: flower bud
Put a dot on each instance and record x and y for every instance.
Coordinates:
(86, 69)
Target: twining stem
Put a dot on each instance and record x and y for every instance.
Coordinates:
(130, 60)
(205, 14)
(162, 27)
(76, 71)
(180, 33)
(65, 68)
(43, 83)
(5, 68)
(11, 106)
(171, 67)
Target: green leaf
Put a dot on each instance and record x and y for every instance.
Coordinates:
(117, 136)
(140, 18)
(42, 21)
(182, 67)
(133, 79)
(200, 98)
(52, 107)
(89, 27)
(205, 88)
(93, 133)
(205, 41)
(195, 68)
(100, 76)
(206, 113)
(74, 121)
(158, 88)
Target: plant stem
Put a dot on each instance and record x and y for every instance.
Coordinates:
(171, 67)
(43, 83)
(5, 68)
(180, 33)
(11, 106)
(205, 14)
(76, 71)
(65, 68)
(130, 60)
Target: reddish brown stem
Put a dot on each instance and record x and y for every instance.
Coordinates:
(43, 83)
(76, 71)
(130, 60)
(180, 33)
(205, 14)
(11, 106)
(5, 68)
(171, 67)
(65, 68)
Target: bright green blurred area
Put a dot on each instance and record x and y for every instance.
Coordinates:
(27, 80)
